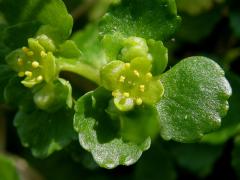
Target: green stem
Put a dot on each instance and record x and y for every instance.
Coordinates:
(77, 67)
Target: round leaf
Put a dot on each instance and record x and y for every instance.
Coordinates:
(98, 133)
(44, 132)
(155, 19)
(195, 99)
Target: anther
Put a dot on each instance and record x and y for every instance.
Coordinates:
(21, 74)
(127, 65)
(122, 79)
(28, 73)
(43, 54)
(142, 88)
(139, 101)
(20, 61)
(149, 75)
(25, 49)
(39, 78)
(35, 64)
(136, 73)
(30, 53)
(115, 93)
(126, 94)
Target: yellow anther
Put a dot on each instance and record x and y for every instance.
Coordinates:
(136, 73)
(127, 65)
(20, 61)
(126, 94)
(115, 93)
(25, 49)
(39, 78)
(139, 101)
(122, 79)
(43, 54)
(129, 82)
(21, 74)
(35, 64)
(142, 88)
(28, 73)
(149, 75)
(30, 53)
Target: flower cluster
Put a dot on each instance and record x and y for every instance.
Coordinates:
(36, 62)
(130, 79)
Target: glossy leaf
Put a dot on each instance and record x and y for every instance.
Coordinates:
(195, 99)
(159, 55)
(37, 17)
(155, 19)
(138, 124)
(44, 132)
(98, 133)
(231, 123)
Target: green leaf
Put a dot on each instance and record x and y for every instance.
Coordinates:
(44, 132)
(231, 123)
(155, 19)
(236, 156)
(195, 99)
(112, 45)
(5, 75)
(69, 50)
(196, 158)
(35, 17)
(98, 133)
(160, 56)
(155, 164)
(18, 95)
(136, 125)
(8, 170)
(88, 43)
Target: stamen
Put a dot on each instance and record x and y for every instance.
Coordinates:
(39, 78)
(126, 94)
(35, 64)
(21, 74)
(142, 88)
(149, 75)
(28, 73)
(139, 101)
(25, 49)
(30, 53)
(43, 54)
(127, 65)
(20, 61)
(136, 73)
(122, 79)
(115, 93)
